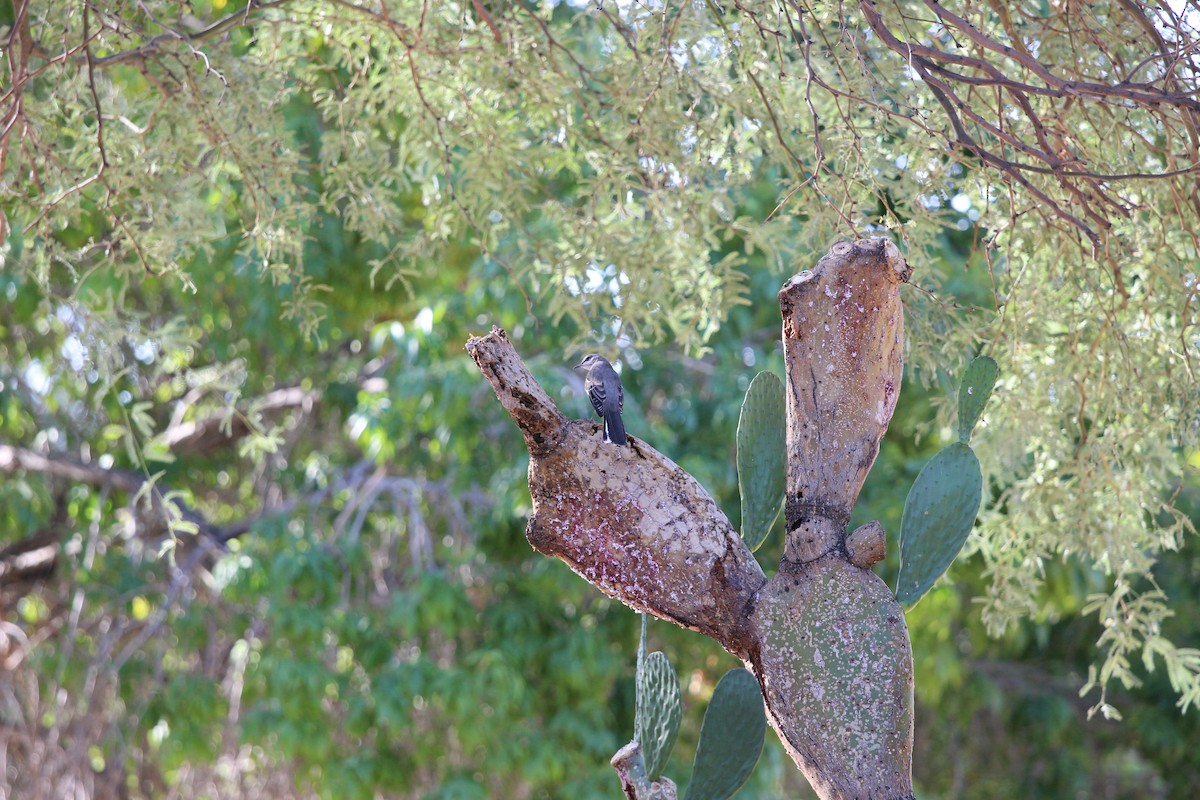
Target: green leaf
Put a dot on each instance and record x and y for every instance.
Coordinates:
(659, 710)
(973, 392)
(761, 457)
(731, 738)
(938, 515)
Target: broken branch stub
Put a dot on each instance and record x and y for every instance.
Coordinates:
(627, 519)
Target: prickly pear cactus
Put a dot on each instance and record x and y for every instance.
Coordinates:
(659, 709)
(731, 738)
(824, 638)
(942, 504)
(833, 652)
(761, 457)
(973, 393)
(938, 516)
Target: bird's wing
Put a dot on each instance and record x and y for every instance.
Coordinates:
(595, 392)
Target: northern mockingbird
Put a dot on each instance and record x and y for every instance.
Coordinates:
(603, 387)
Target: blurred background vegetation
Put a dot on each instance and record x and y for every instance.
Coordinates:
(261, 521)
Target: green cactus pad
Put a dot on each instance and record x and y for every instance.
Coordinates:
(938, 516)
(973, 392)
(731, 738)
(761, 457)
(659, 709)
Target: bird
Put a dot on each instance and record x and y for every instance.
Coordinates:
(603, 387)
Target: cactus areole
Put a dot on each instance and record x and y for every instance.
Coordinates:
(824, 636)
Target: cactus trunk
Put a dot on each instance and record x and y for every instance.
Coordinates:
(824, 637)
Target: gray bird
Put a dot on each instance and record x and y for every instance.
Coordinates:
(603, 387)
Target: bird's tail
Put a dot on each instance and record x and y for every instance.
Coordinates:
(614, 428)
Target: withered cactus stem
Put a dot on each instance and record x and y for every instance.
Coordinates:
(825, 637)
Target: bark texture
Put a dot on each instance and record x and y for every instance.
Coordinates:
(627, 519)
(835, 661)
(825, 637)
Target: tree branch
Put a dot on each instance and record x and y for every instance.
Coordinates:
(984, 127)
(155, 45)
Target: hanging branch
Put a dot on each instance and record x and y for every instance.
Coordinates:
(989, 89)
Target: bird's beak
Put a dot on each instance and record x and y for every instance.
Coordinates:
(578, 366)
